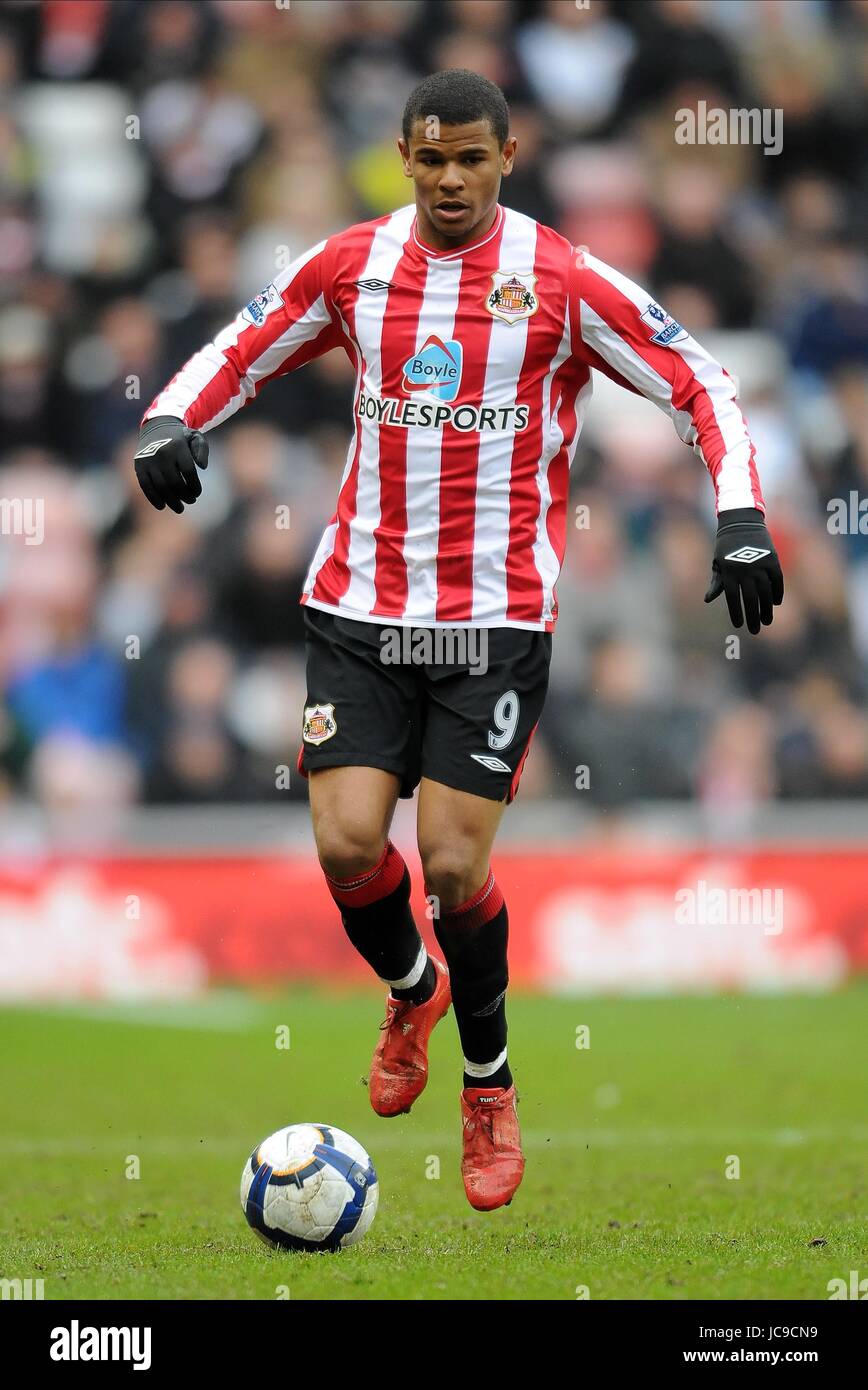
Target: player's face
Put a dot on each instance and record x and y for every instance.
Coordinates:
(457, 171)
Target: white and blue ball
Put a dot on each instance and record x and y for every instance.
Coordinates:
(309, 1187)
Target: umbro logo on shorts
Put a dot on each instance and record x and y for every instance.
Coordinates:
(493, 764)
(151, 448)
(374, 284)
(746, 554)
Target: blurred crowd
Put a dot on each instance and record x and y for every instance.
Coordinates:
(155, 155)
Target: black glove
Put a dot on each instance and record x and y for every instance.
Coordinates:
(166, 462)
(746, 567)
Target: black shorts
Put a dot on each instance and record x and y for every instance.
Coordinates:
(458, 705)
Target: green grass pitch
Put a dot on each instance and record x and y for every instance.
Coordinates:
(627, 1145)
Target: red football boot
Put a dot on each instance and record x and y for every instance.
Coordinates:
(493, 1163)
(399, 1066)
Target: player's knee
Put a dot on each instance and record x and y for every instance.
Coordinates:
(346, 849)
(452, 875)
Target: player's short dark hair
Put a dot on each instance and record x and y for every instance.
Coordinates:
(458, 96)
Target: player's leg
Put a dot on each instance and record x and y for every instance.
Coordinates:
(478, 729)
(479, 721)
(351, 810)
(456, 833)
(360, 752)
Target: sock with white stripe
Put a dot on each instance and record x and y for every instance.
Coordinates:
(474, 939)
(375, 910)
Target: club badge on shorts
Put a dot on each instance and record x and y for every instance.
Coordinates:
(319, 723)
(513, 297)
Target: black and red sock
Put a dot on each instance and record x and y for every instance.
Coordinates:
(375, 909)
(474, 939)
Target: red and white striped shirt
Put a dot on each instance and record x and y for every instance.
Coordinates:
(473, 374)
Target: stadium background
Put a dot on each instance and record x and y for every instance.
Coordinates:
(155, 159)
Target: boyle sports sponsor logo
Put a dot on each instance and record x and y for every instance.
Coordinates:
(433, 375)
(433, 414)
(436, 368)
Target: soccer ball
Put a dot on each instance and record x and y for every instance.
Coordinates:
(309, 1187)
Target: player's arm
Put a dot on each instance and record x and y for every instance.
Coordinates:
(289, 323)
(619, 328)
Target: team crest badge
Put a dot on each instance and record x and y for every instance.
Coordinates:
(319, 723)
(513, 297)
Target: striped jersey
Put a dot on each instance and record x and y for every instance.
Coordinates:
(473, 374)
